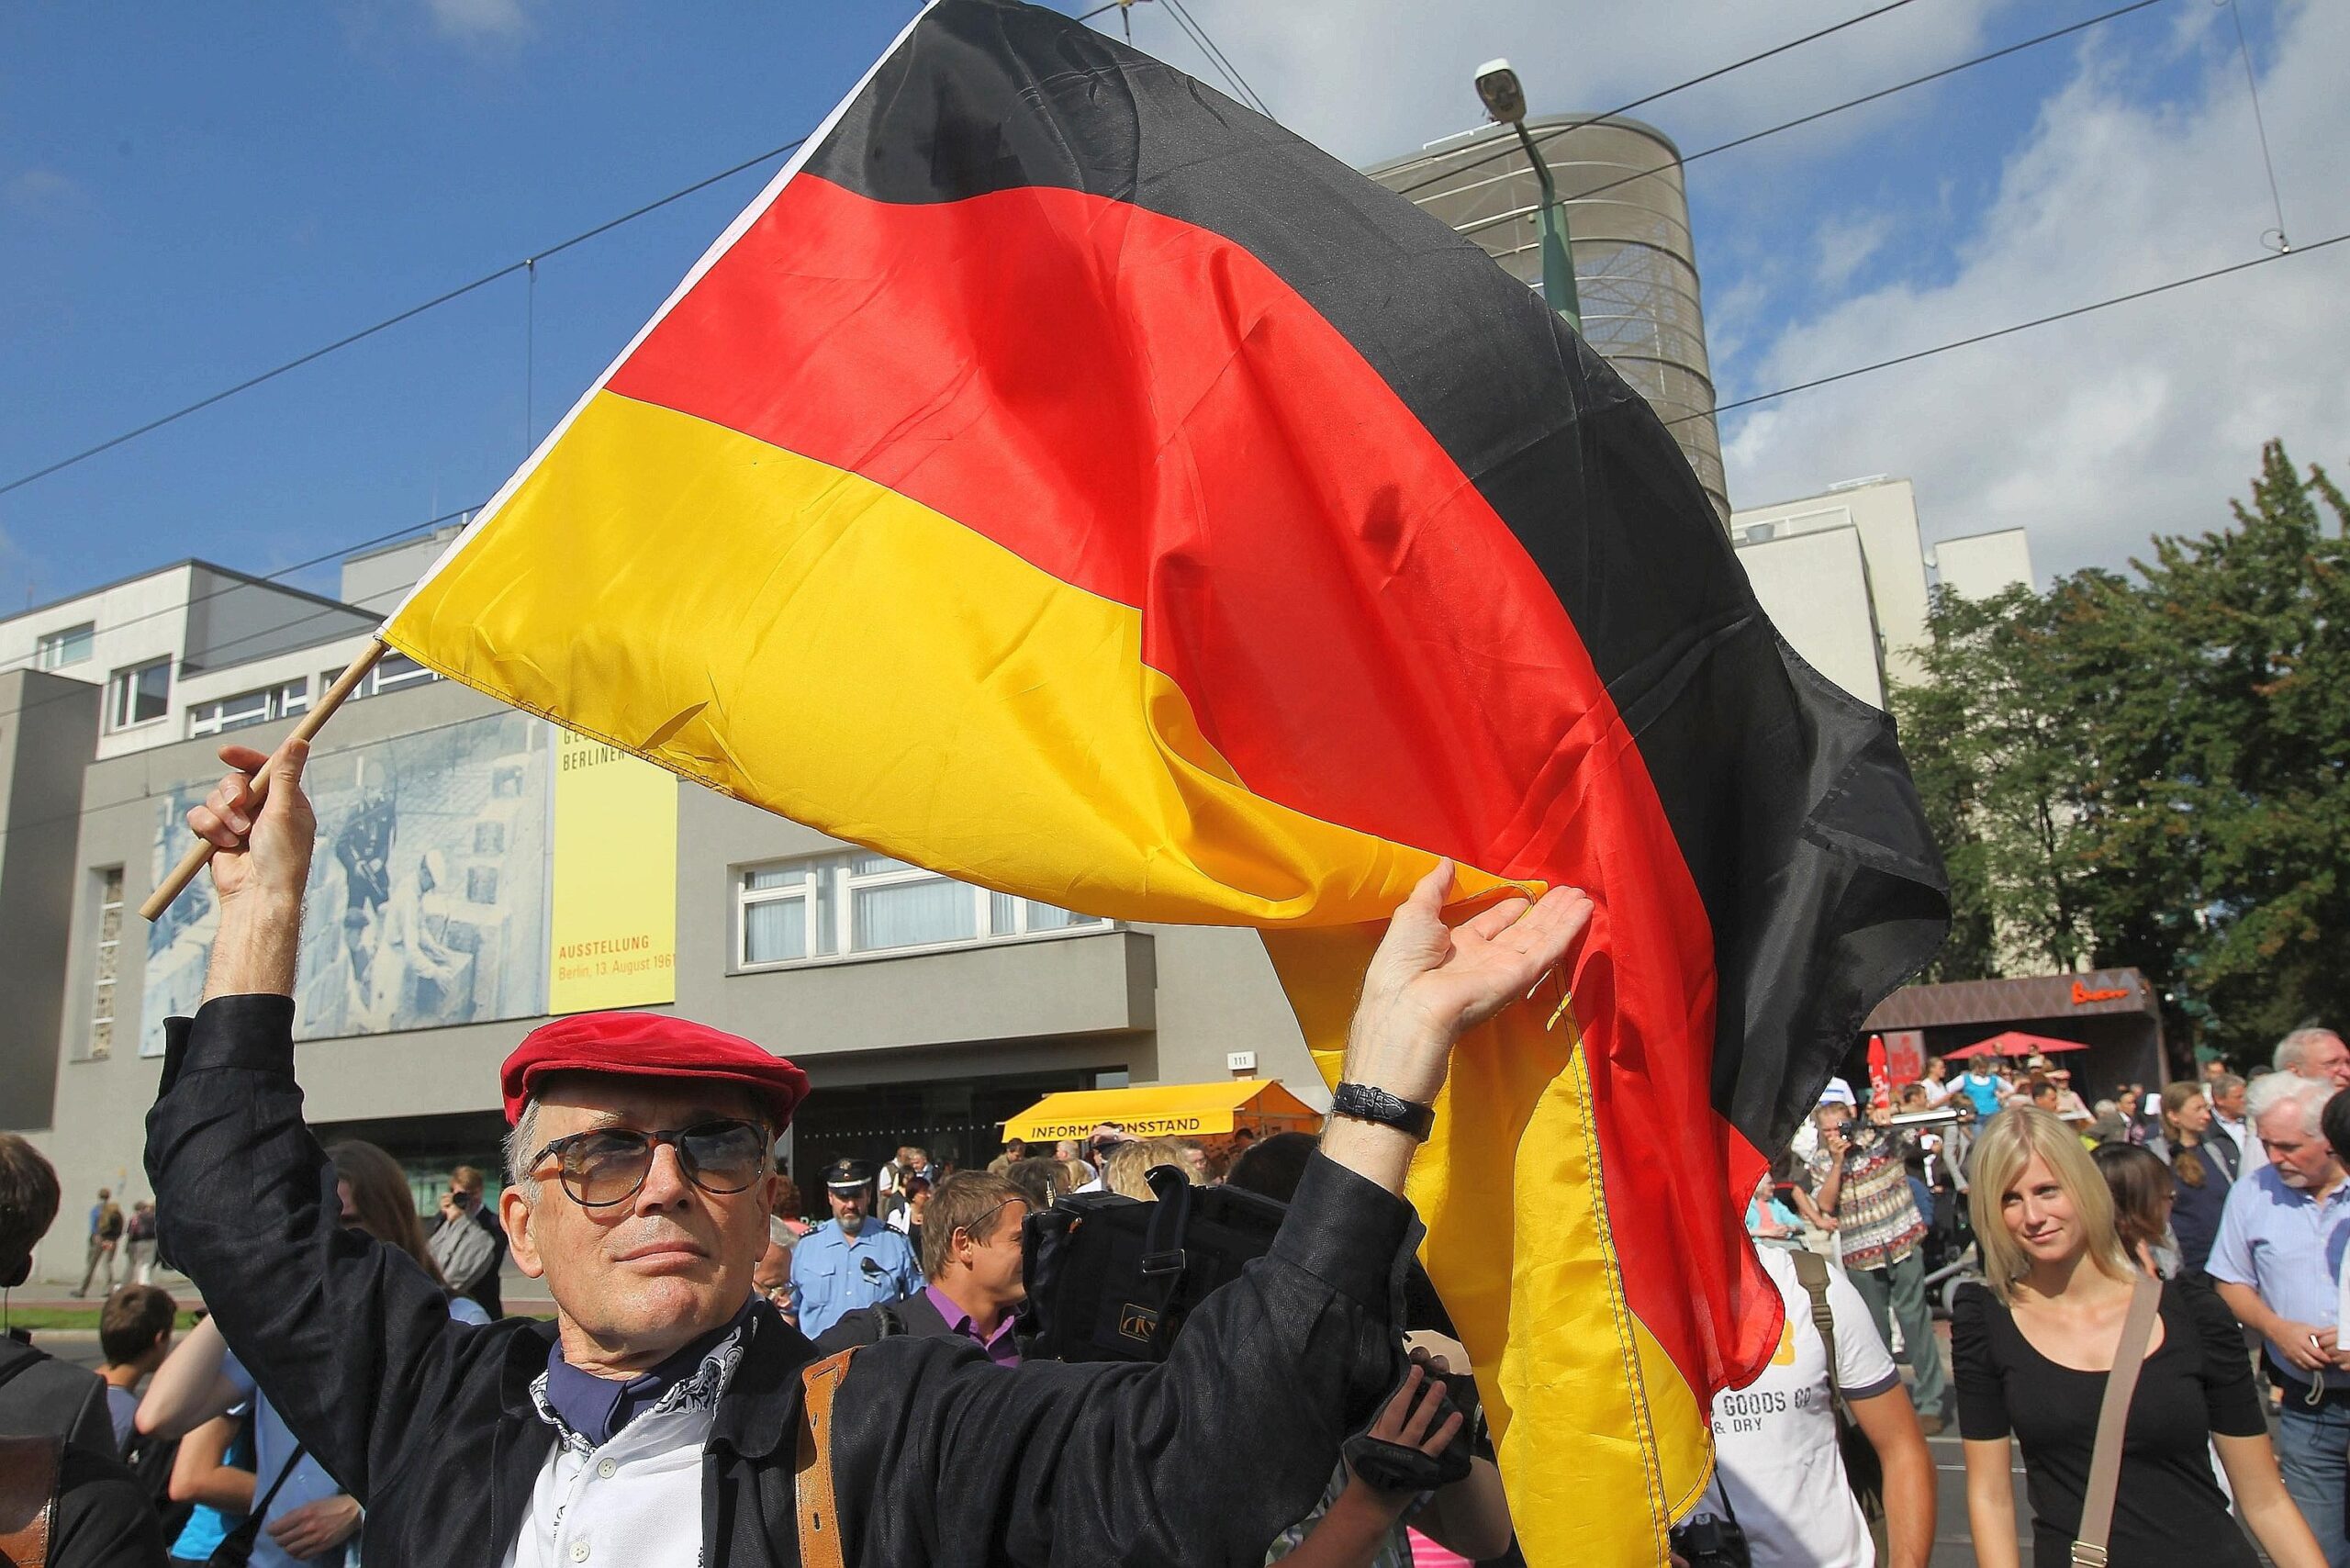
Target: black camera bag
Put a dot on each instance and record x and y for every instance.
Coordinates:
(1111, 1278)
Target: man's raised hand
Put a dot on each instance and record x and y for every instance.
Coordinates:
(261, 838)
(1429, 983)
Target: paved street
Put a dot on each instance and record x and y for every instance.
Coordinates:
(1953, 1547)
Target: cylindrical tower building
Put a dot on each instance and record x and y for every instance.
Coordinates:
(1627, 219)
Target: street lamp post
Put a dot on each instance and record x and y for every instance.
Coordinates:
(1505, 99)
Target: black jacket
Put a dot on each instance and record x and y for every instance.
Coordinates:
(939, 1457)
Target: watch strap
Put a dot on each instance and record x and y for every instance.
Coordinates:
(1362, 1103)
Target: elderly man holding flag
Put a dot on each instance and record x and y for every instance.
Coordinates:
(667, 1415)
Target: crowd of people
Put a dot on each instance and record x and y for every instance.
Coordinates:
(2045, 1217)
(733, 1374)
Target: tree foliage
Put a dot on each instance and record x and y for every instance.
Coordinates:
(2154, 770)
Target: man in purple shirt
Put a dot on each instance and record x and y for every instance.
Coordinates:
(971, 1255)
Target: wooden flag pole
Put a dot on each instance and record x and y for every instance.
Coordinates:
(200, 854)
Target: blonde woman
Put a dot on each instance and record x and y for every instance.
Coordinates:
(2033, 1348)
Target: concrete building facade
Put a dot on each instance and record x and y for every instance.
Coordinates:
(923, 1011)
(1635, 262)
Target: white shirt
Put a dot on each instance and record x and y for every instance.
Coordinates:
(2247, 1143)
(636, 1501)
(1775, 1439)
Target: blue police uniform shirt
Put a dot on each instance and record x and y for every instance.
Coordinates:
(829, 1278)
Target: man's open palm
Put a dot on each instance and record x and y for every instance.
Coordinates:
(1429, 982)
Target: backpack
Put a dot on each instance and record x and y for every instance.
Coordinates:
(150, 1459)
(110, 1223)
(1113, 1279)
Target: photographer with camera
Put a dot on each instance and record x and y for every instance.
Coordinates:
(1358, 1523)
(661, 1419)
(469, 1243)
(1861, 1176)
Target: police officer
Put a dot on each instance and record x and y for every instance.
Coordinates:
(856, 1261)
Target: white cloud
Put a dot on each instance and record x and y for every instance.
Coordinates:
(1847, 244)
(480, 18)
(2095, 432)
(1371, 79)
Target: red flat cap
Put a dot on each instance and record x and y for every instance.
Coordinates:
(649, 1044)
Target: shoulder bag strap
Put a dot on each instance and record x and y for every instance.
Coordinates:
(2105, 1460)
(820, 1520)
(1812, 1271)
(29, 1474)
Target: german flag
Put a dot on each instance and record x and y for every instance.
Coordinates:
(1064, 478)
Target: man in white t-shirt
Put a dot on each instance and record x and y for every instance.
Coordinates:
(1776, 1440)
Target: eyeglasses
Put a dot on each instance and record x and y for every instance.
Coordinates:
(608, 1165)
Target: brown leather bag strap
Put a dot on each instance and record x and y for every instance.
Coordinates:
(2112, 1416)
(29, 1473)
(820, 1518)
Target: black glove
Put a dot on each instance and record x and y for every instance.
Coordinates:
(1392, 1467)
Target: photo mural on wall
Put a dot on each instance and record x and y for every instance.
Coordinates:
(428, 895)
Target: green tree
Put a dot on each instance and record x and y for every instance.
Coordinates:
(1994, 735)
(2154, 770)
(2223, 777)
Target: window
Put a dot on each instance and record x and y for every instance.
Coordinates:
(57, 649)
(392, 672)
(109, 962)
(138, 695)
(248, 707)
(864, 902)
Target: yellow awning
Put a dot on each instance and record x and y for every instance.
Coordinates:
(1166, 1110)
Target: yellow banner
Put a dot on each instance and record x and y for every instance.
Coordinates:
(615, 927)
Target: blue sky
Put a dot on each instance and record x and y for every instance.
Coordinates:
(189, 195)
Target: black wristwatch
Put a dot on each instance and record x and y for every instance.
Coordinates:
(1362, 1103)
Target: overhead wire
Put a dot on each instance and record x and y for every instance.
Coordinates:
(1552, 133)
(2011, 329)
(2259, 124)
(585, 235)
(447, 296)
(1214, 52)
(1951, 70)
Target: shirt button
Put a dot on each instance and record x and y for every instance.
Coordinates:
(579, 1552)
(607, 1470)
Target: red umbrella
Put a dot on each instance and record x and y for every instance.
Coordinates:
(2015, 1043)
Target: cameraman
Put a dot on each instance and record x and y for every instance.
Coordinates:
(1861, 1177)
(469, 1243)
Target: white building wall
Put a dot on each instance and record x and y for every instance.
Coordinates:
(1883, 513)
(1981, 564)
(138, 620)
(1815, 586)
